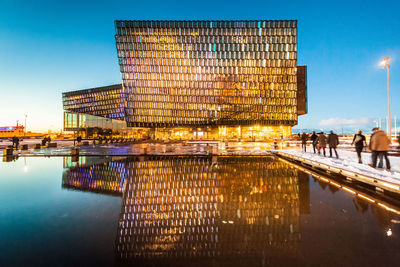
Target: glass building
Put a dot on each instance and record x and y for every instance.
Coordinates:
(94, 111)
(204, 79)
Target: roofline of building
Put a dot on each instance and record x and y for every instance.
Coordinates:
(220, 20)
(95, 89)
(263, 20)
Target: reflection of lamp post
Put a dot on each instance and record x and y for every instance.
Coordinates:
(25, 166)
(385, 63)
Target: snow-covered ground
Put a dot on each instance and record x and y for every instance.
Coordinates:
(348, 161)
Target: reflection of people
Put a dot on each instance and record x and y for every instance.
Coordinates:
(382, 216)
(379, 145)
(304, 138)
(361, 204)
(321, 143)
(359, 141)
(333, 141)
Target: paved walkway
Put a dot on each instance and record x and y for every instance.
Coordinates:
(347, 165)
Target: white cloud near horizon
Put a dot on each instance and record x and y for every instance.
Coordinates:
(341, 122)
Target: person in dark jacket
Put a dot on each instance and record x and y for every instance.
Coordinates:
(359, 142)
(16, 142)
(398, 141)
(313, 138)
(13, 141)
(333, 141)
(304, 138)
(44, 141)
(321, 142)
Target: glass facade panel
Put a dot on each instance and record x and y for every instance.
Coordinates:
(76, 122)
(187, 73)
(107, 101)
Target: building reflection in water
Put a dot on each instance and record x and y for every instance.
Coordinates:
(180, 208)
(99, 175)
(191, 207)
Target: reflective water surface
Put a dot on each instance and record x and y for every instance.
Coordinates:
(187, 211)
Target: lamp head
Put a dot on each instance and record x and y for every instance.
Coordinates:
(385, 62)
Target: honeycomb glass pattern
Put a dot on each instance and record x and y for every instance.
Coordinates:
(193, 208)
(107, 101)
(103, 177)
(186, 73)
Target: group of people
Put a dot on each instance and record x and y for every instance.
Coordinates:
(45, 140)
(379, 145)
(320, 141)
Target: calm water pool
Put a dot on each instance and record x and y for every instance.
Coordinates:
(237, 211)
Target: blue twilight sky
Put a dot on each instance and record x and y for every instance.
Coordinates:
(48, 47)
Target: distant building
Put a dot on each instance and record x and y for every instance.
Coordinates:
(203, 79)
(10, 131)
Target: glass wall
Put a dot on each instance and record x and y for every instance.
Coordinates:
(107, 101)
(76, 121)
(178, 73)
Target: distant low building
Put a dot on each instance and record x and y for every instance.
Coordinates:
(10, 131)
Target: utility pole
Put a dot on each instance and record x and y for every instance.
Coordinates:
(25, 125)
(385, 63)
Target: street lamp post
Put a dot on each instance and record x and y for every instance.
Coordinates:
(385, 63)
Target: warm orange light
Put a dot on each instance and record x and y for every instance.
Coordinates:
(385, 62)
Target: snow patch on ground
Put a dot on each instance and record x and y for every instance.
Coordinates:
(348, 161)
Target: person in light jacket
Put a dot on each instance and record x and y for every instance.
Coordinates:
(321, 142)
(333, 141)
(379, 145)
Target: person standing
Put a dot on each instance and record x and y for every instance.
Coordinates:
(16, 142)
(398, 141)
(379, 145)
(358, 142)
(314, 138)
(13, 141)
(333, 141)
(304, 138)
(321, 142)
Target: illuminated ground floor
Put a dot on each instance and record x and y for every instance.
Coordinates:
(89, 126)
(238, 133)
(245, 133)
